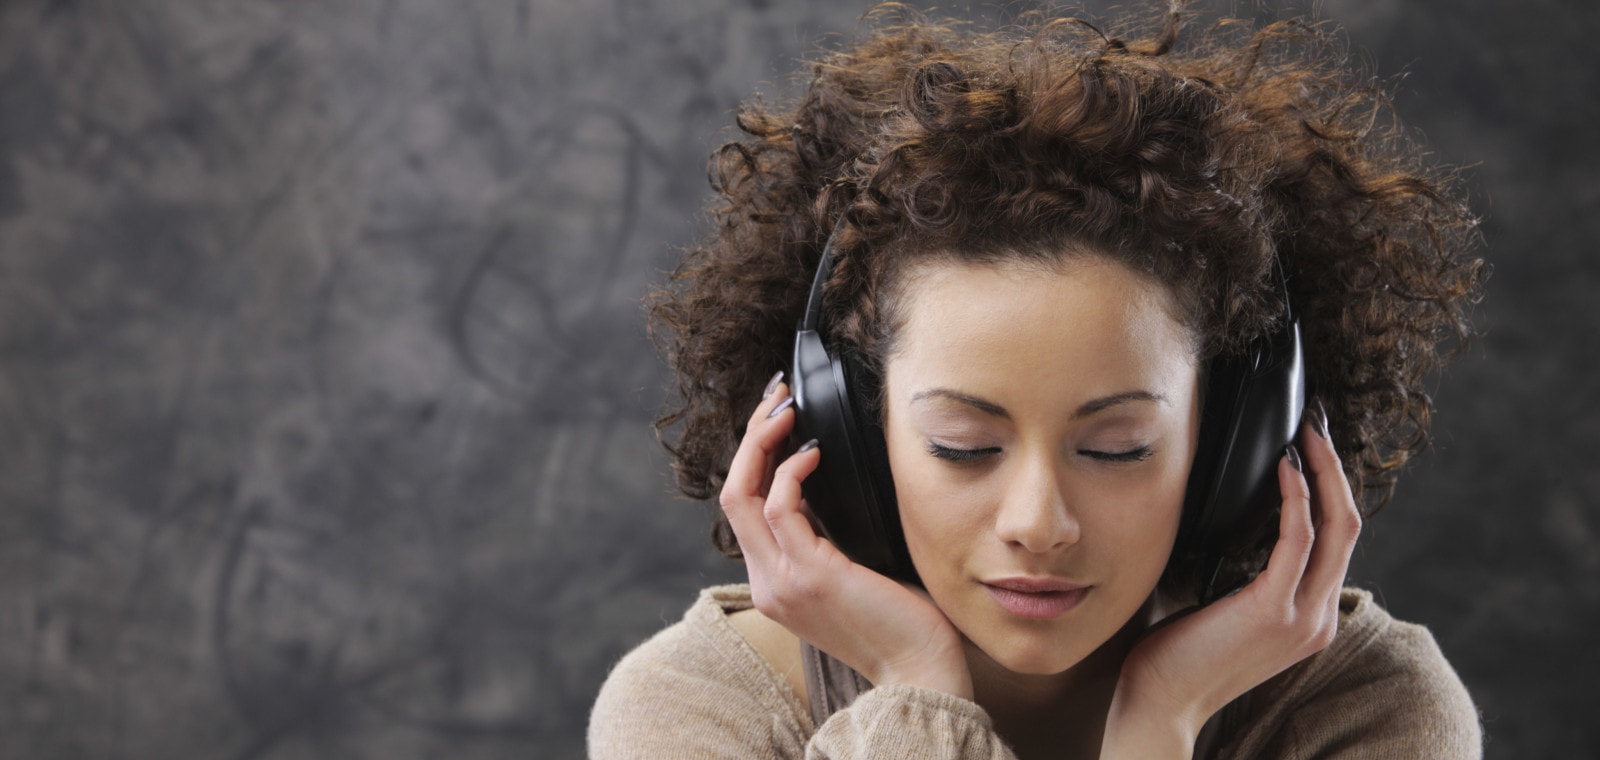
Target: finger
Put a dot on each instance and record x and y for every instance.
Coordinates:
(766, 435)
(778, 406)
(811, 517)
(1338, 519)
(744, 489)
(785, 512)
(1287, 562)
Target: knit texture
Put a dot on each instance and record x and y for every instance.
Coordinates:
(699, 690)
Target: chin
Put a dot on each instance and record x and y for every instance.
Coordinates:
(1038, 666)
(1040, 652)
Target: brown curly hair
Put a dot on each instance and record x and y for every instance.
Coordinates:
(1197, 164)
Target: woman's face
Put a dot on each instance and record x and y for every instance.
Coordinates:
(1040, 421)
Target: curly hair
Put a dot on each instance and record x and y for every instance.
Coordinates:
(1196, 163)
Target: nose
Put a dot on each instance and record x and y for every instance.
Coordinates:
(1034, 513)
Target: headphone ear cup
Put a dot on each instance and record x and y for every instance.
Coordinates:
(851, 493)
(872, 446)
(1253, 405)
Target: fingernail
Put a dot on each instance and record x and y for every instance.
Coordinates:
(1294, 457)
(807, 446)
(1320, 424)
(788, 402)
(772, 385)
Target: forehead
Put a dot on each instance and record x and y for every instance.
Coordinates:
(1087, 319)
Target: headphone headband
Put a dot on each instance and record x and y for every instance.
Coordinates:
(812, 319)
(1254, 403)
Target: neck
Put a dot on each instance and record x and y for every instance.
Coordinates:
(1061, 711)
(1002, 691)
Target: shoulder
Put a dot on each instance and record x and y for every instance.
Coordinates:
(697, 688)
(1382, 689)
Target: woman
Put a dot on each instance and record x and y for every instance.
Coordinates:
(1040, 255)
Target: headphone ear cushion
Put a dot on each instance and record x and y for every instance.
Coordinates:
(1253, 405)
(851, 493)
(864, 388)
(1224, 386)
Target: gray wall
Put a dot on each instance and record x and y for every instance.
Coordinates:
(324, 394)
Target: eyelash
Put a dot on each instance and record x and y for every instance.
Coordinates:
(958, 455)
(968, 455)
(1132, 455)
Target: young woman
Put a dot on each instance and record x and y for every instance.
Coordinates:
(1047, 251)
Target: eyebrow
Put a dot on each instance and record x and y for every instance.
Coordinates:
(1086, 409)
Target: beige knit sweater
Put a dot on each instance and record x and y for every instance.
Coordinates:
(699, 690)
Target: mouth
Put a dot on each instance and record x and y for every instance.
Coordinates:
(1036, 598)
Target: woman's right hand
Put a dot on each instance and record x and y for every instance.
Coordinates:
(890, 632)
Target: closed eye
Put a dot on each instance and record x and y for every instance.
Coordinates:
(1132, 455)
(960, 455)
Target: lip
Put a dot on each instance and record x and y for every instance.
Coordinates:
(1036, 598)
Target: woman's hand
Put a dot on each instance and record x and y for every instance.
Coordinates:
(1185, 670)
(889, 632)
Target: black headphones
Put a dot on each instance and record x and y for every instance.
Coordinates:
(1253, 403)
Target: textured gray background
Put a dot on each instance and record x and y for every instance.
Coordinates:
(324, 394)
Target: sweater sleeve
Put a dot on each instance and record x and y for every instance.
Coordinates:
(675, 697)
(698, 690)
(1404, 701)
(654, 713)
(897, 722)
(1388, 692)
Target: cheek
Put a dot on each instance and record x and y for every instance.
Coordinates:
(1143, 519)
(940, 516)
(936, 512)
(1138, 517)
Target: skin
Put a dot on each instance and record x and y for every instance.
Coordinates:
(1048, 488)
(1067, 463)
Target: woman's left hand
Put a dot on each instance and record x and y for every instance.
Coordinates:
(1186, 669)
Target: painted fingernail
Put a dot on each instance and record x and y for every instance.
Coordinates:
(777, 410)
(1294, 457)
(807, 446)
(1320, 423)
(772, 385)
